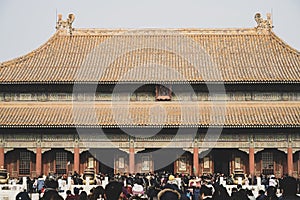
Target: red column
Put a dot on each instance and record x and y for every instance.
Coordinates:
(298, 163)
(196, 161)
(2, 157)
(38, 167)
(290, 161)
(251, 161)
(131, 160)
(76, 159)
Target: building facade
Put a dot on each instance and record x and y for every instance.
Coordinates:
(188, 101)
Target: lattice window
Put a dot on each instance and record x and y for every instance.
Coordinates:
(61, 162)
(267, 163)
(24, 164)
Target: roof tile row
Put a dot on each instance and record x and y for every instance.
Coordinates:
(157, 56)
(167, 114)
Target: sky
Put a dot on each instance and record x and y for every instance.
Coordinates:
(26, 25)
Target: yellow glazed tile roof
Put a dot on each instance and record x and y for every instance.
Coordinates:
(150, 114)
(157, 56)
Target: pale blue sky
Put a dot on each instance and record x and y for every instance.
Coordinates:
(25, 25)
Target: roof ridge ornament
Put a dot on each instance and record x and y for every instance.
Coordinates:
(65, 24)
(264, 25)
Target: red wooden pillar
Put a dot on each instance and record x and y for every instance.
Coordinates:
(38, 157)
(298, 164)
(131, 160)
(290, 161)
(2, 157)
(196, 161)
(76, 159)
(251, 161)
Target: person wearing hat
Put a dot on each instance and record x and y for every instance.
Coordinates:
(138, 192)
(171, 183)
(137, 189)
(168, 194)
(172, 180)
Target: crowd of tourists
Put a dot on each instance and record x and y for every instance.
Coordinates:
(162, 187)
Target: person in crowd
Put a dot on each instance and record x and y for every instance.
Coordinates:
(90, 195)
(196, 192)
(250, 179)
(273, 181)
(168, 194)
(220, 193)
(34, 185)
(23, 196)
(76, 193)
(113, 191)
(239, 194)
(261, 195)
(40, 184)
(138, 192)
(69, 194)
(171, 183)
(172, 180)
(153, 188)
(289, 189)
(242, 193)
(271, 193)
(97, 193)
(51, 193)
(250, 195)
(264, 181)
(83, 196)
(76, 178)
(234, 194)
(205, 193)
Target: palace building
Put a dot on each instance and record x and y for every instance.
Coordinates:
(190, 101)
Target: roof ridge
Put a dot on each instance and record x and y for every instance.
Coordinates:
(285, 44)
(160, 31)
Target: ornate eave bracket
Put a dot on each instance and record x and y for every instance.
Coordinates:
(263, 25)
(65, 24)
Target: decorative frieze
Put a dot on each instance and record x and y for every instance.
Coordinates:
(150, 96)
(270, 137)
(232, 137)
(145, 96)
(20, 137)
(295, 137)
(271, 144)
(274, 96)
(58, 137)
(103, 97)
